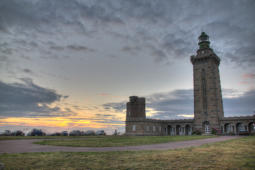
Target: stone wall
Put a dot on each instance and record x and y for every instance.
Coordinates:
(139, 126)
(238, 125)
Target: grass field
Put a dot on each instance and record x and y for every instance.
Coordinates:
(233, 154)
(108, 141)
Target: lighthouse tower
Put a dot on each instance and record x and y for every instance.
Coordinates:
(208, 106)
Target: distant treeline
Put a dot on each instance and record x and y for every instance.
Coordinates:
(39, 132)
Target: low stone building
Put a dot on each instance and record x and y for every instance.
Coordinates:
(208, 105)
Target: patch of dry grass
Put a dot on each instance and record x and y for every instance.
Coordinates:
(233, 154)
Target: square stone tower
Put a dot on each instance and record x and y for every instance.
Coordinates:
(136, 107)
(208, 106)
(135, 116)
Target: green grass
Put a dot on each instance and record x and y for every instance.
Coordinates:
(233, 154)
(108, 141)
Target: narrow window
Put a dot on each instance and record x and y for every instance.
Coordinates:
(154, 128)
(204, 91)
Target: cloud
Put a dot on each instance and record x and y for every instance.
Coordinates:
(173, 25)
(178, 104)
(29, 100)
(79, 48)
(70, 47)
(177, 46)
(119, 107)
(241, 105)
(131, 49)
(170, 105)
(57, 48)
(26, 70)
(37, 14)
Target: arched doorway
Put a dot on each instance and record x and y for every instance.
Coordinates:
(240, 128)
(227, 128)
(187, 130)
(169, 130)
(251, 127)
(206, 127)
(178, 129)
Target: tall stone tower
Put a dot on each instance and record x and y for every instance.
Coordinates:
(208, 106)
(136, 107)
(135, 116)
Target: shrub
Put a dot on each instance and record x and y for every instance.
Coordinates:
(89, 133)
(7, 133)
(215, 131)
(36, 132)
(76, 133)
(100, 132)
(18, 133)
(231, 133)
(116, 133)
(196, 132)
(55, 134)
(64, 133)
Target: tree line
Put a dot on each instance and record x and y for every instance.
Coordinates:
(40, 132)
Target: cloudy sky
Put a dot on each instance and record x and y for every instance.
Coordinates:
(72, 64)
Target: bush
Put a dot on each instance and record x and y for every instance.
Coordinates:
(76, 133)
(18, 133)
(64, 133)
(214, 131)
(89, 133)
(196, 132)
(55, 134)
(100, 132)
(36, 132)
(6, 133)
(231, 134)
(116, 133)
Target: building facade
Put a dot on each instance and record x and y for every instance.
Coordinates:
(208, 104)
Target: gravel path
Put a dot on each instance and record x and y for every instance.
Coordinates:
(21, 146)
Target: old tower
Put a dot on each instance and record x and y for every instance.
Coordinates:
(136, 107)
(135, 116)
(208, 107)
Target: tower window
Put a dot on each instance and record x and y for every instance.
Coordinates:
(204, 94)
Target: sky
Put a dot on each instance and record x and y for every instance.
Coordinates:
(72, 64)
